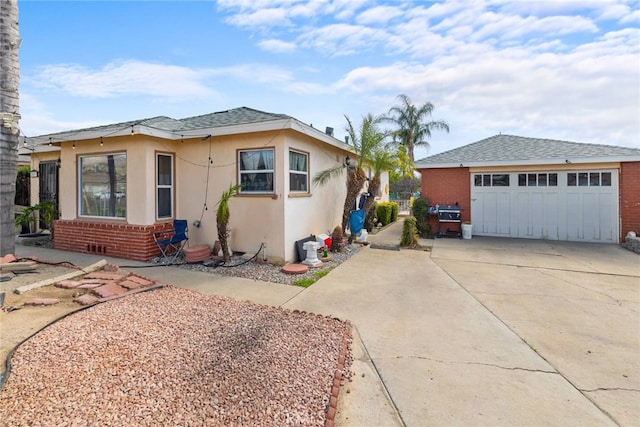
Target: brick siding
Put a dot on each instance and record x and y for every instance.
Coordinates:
(126, 241)
(446, 187)
(629, 198)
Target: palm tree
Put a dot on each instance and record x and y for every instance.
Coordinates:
(413, 129)
(222, 220)
(381, 160)
(9, 100)
(366, 141)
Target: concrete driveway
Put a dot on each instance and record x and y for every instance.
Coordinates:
(488, 332)
(576, 305)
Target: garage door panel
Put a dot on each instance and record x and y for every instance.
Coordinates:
(545, 206)
(552, 216)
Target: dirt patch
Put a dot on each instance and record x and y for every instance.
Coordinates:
(19, 321)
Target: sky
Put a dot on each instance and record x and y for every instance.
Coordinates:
(558, 69)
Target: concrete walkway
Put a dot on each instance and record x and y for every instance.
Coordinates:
(475, 332)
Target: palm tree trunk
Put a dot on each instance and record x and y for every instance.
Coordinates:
(374, 186)
(9, 108)
(355, 180)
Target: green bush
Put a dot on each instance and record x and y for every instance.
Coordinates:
(384, 212)
(409, 232)
(394, 211)
(420, 211)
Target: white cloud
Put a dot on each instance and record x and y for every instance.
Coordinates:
(277, 46)
(378, 15)
(124, 78)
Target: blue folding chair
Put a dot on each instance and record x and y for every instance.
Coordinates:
(171, 242)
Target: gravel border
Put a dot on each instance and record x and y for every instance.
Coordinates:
(268, 272)
(177, 357)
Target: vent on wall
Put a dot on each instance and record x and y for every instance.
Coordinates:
(96, 249)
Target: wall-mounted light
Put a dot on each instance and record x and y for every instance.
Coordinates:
(101, 142)
(74, 145)
(34, 173)
(50, 143)
(347, 161)
(132, 131)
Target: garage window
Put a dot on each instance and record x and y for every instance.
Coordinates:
(491, 180)
(537, 179)
(589, 179)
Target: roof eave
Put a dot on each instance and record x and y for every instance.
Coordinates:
(528, 162)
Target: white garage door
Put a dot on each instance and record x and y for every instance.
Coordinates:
(563, 205)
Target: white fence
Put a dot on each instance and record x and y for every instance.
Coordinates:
(404, 207)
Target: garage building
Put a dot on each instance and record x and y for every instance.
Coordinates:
(512, 186)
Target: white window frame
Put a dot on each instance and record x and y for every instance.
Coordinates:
(163, 186)
(301, 173)
(268, 169)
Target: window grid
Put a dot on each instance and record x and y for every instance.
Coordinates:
(538, 180)
(589, 179)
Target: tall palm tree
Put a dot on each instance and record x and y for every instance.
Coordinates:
(9, 102)
(366, 141)
(413, 129)
(381, 160)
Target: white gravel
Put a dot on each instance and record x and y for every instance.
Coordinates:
(177, 357)
(238, 267)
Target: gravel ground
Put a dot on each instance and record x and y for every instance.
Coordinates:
(177, 357)
(272, 273)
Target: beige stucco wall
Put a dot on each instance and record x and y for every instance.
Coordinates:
(199, 183)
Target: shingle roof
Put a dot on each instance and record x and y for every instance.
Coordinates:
(232, 117)
(236, 116)
(502, 149)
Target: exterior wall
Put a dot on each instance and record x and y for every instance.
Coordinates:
(36, 159)
(629, 198)
(109, 239)
(446, 187)
(199, 182)
(321, 210)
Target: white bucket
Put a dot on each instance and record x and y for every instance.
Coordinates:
(466, 231)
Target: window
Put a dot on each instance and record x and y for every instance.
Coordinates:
(589, 179)
(164, 186)
(255, 171)
(298, 172)
(495, 180)
(537, 179)
(103, 185)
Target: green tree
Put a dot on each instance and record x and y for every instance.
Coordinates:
(367, 142)
(413, 124)
(9, 108)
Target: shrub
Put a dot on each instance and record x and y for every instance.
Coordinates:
(420, 211)
(387, 212)
(409, 232)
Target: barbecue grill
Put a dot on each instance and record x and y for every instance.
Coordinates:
(449, 216)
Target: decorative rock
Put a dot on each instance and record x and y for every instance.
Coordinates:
(295, 269)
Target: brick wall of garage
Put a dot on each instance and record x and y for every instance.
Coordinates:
(629, 198)
(448, 186)
(117, 240)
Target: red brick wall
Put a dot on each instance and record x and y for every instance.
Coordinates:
(446, 187)
(126, 241)
(629, 198)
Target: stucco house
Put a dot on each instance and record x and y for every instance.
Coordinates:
(117, 184)
(535, 188)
